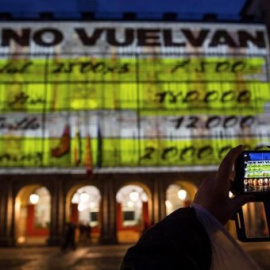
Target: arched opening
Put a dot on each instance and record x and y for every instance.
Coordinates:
(85, 214)
(179, 194)
(33, 215)
(132, 213)
(255, 220)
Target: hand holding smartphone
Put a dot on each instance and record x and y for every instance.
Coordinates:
(252, 174)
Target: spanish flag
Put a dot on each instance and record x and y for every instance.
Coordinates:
(64, 144)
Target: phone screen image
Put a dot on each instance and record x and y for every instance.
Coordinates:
(256, 176)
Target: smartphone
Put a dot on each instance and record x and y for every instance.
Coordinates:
(252, 174)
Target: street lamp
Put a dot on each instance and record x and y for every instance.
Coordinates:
(182, 194)
(134, 195)
(34, 198)
(130, 204)
(81, 207)
(75, 198)
(84, 197)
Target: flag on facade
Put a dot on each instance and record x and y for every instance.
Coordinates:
(88, 154)
(77, 150)
(99, 147)
(64, 144)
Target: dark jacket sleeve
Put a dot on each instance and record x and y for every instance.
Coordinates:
(177, 242)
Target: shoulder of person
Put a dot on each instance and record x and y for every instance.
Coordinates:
(178, 239)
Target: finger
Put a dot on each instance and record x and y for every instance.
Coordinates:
(225, 168)
(204, 190)
(238, 201)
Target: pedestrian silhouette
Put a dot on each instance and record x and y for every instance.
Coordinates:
(88, 231)
(69, 240)
(82, 230)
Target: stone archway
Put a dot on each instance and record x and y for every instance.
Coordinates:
(83, 210)
(32, 215)
(132, 212)
(179, 194)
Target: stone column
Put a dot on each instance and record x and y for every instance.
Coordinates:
(108, 213)
(57, 213)
(159, 197)
(7, 215)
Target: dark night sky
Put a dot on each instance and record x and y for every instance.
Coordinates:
(72, 8)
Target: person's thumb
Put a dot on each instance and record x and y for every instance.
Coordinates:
(240, 200)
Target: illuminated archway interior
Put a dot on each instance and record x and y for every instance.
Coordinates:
(33, 215)
(131, 198)
(87, 201)
(176, 197)
(132, 213)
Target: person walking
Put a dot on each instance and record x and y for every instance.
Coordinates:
(69, 239)
(88, 231)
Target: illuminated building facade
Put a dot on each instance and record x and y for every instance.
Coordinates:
(115, 124)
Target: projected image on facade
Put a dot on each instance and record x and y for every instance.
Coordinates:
(118, 95)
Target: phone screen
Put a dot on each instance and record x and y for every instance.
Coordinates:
(253, 172)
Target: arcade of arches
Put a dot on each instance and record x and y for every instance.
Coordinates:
(36, 211)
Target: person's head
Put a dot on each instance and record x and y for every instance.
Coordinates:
(255, 182)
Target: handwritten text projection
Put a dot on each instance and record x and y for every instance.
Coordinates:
(161, 112)
(174, 68)
(149, 84)
(26, 152)
(134, 95)
(120, 124)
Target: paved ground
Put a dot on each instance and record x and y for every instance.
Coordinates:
(260, 252)
(48, 258)
(91, 258)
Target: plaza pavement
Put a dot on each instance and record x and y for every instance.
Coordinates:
(95, 257)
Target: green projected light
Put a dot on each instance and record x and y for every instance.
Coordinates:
(130, 84)
(72, 106)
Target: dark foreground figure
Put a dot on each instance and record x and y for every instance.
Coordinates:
(194, 238)
(178, 242)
